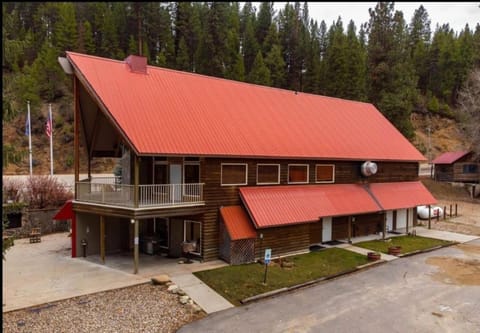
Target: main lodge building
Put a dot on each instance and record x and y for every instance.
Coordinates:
(230, 168)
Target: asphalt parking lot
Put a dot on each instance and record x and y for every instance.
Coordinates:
(438, 291)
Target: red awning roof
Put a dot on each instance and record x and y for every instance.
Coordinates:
(283, 205)
(450, 157)
(401, 195)
(171, 112)
(66, 212)
(237, 222)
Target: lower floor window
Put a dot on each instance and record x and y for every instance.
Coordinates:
(192, 234)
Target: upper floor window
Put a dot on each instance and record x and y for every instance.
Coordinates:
(325, 173)
(298, 173)
(268, 174)
(191, 172)
(234, 174)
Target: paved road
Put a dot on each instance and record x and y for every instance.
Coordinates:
(405, 295)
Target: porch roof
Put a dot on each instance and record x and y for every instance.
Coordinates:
(237, 223)
(401, 195)
(275, 206)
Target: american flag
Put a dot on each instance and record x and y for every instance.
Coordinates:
(48, 126)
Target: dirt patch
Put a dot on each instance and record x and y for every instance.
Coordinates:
(469, 248)
(456, 271)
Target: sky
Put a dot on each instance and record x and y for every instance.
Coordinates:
(456, 14)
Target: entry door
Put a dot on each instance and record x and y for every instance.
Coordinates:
(389, 220)
(176, 178)
(401, 218)
(326, 229)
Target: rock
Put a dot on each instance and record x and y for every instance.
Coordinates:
(181, 262)
(173, 288)
(181, 292)
(161, 279)
(184, 299)
(195, 308)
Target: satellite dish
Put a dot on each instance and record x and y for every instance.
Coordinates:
(369, 168)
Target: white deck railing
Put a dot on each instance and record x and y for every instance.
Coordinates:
(165, 195)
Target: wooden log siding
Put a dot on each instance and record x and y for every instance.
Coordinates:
(460, 174)
(283, 240)
(215, 195)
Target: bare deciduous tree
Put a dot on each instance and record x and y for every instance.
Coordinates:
(469, 110)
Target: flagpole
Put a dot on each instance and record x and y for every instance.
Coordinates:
(30, 138)
(51, 138)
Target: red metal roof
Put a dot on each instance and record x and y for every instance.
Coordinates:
(273, 206)
(401, 195)
(66, 212)
(450, 157)
(237, 222)
(172, 112)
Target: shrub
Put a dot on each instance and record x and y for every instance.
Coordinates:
(12, 189)
(46, 192)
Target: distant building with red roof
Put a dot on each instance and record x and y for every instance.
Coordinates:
(456, 166)
(221, 168)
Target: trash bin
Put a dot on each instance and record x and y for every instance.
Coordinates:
(147, 246)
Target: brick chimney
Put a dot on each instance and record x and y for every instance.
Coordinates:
(137, 64)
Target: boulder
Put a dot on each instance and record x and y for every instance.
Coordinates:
(173, 288)
(184, 299)
(161, 279)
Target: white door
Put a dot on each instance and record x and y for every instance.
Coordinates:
(326, 229)
(401, 218)
(389, 220)
(176, 178)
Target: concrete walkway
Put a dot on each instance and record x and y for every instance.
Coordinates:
(44, 272)
(444, 235)
(361, 250)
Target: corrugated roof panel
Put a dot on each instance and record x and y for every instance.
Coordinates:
(237, 223)
(66, 212)
(274, 206)
(450, 157)
(173, 112)
(401, 195)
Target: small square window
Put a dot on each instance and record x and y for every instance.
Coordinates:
(268, 174)
(325, 173)
(298, 173)
(234, 174)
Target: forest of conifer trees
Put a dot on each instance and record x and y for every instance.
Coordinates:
(400, 64)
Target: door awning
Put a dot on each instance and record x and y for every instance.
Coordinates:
(237, 223)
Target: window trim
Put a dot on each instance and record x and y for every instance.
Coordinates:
(308, 173)
(185, 234)
(221, 174)
(325, 181)
(269, 164)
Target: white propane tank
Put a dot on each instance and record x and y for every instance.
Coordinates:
(369, 168)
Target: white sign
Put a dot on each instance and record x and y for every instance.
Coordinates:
(135, 240)
(268, 255)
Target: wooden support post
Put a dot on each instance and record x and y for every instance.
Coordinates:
(384, 231)
(102, 238)
(136, 181)
(408, 213)
(444, 212)
(438, 216)
(350, 230)
(450, 210)
(135, 247)
(456, 210)
(76, 132)
(429, 217)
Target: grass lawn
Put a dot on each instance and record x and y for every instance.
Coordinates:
(408, 243)
(236, 283)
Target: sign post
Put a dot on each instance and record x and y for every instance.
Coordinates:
(268, 257)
